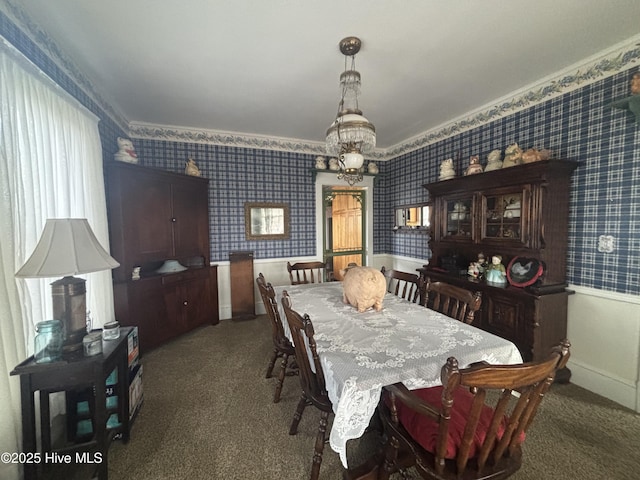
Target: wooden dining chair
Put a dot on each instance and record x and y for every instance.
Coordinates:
(306, 272)
(455, 302)
(282, 348)
(402, 284)
(471, 427)
(314, 391)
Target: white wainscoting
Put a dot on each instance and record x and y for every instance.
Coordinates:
(603, 328)
(604, 331)
(275, 271)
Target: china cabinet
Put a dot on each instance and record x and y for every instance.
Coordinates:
(520, 211)
(155, 216)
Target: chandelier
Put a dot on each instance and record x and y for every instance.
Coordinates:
(350, 135)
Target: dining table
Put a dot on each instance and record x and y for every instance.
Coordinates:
(362, 352)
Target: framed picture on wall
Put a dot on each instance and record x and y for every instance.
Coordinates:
(266, 221)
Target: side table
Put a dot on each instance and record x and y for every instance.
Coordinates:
(73, 372)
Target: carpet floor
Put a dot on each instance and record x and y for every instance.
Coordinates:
(208, 414)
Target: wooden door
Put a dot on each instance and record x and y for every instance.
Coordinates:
(139, 208)
(190, 218)
(151, 218)
(344, 238)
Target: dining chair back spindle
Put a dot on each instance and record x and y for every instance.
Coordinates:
(282, 348)
(472, 427)
(306, 272)
(455, 302)
(314, 391)
(402, 284)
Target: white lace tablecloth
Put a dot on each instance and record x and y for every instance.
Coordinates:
(362, 352)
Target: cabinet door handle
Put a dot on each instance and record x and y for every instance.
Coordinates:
(185, 303)
(173, 219)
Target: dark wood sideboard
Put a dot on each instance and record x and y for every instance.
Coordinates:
(154, 216)
(520, 211)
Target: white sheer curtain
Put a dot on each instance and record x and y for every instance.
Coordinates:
(50, 167)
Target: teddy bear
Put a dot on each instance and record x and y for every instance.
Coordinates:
(126, 152)
(363, 287)
(474, 166)
(334, 165)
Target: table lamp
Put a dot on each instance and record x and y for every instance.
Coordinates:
(67, 247)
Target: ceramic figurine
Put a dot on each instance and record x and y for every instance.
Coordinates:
(535, 155)
(446, 169)
(372, 168)
(473, 270)
(474, 166)
(459, 211)
(191, 168)
(512, 156)
(321, 163)
(635, 84)
(126, 152)
(482, 264)
(496, 273)
(135, 275)
(334, 165)
(494, 161)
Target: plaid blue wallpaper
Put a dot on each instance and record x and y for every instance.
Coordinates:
(238, 175)
(605, 194)
(578, 126)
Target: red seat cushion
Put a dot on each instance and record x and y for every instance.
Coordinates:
(425, 430)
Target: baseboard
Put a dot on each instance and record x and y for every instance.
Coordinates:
(614, 389)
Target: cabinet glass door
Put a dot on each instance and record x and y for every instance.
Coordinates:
(503, 216)
(459, 218)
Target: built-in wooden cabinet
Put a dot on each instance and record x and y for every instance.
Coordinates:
(156, 216)
(520, 211)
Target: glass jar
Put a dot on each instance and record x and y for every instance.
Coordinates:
(111, 331)
(92, 344)
(48, 342)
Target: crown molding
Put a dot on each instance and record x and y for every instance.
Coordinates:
(151, 131)
(218, 137)
(605, 64)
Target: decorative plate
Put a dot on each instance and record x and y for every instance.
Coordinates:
(523, 271)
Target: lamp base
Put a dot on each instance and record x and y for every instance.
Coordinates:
(70, 307)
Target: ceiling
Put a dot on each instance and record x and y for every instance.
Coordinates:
(272, 67)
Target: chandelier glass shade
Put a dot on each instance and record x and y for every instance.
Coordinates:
(351, 134)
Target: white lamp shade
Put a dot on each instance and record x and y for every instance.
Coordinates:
(352, 161)
(67, 246)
